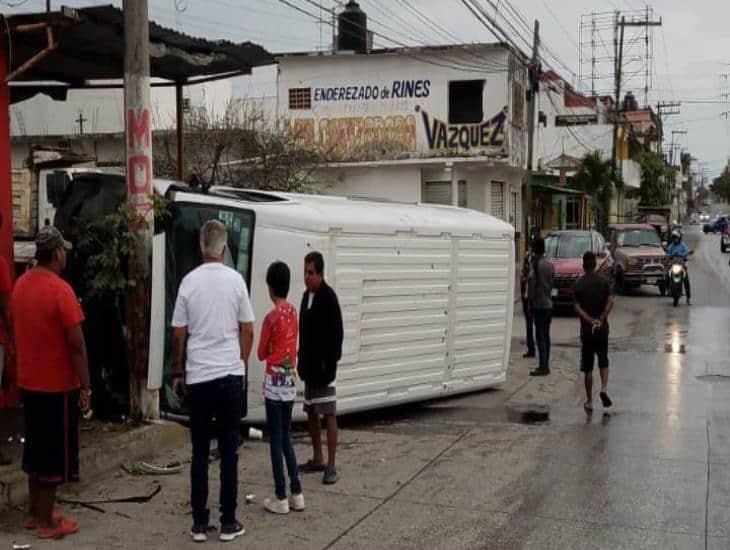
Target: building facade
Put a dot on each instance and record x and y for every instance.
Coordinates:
(437, 124)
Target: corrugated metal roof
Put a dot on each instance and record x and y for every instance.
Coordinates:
(91, 47)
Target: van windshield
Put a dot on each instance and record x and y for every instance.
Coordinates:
(182, 255)
(183, 248)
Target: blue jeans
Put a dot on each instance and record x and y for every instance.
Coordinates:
(542, 319)
(278, 422)
(221, 398)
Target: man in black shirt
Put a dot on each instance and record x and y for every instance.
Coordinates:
(593, 303)
(320, 348)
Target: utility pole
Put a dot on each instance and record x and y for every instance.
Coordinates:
(662, 109)
(534, 84)
(675, 133)
(334, 27)
(619, 44)
(138, 133)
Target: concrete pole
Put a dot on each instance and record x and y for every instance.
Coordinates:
(143, 403)
(180, 131)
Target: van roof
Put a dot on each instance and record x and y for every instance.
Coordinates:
(324, 213)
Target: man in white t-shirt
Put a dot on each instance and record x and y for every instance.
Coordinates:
(213, 331)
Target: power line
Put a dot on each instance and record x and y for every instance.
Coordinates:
(448, 64)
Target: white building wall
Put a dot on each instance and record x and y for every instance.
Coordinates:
(552, 141)
(396, 183)
(103, 110)
(401, 98)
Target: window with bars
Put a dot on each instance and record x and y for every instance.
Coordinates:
(300, 98)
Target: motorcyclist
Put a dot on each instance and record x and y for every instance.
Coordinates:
(679, 249)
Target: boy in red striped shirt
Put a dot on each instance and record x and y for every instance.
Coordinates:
(278, 348)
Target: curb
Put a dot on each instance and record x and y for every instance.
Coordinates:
(136, 444)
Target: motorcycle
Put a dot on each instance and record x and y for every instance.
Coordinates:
(675, 277)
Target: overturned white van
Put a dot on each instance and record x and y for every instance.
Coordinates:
(426, 291)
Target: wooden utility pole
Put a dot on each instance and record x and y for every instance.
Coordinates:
(619, 61)
(138, 132)
(534, 84)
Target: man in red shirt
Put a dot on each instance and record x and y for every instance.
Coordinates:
(54, 378)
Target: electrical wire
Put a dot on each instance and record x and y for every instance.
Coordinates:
(447, 64)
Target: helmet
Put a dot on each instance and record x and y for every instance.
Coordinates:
(676, 234)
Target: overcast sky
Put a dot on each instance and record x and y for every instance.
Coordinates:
(691, 49)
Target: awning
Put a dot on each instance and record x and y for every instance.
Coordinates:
(74, 47)
(556, 190)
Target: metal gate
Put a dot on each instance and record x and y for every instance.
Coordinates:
(497, 200)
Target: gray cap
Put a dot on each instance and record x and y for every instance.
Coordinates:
(50, 238)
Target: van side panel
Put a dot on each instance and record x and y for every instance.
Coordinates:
(394, 294)
(423, 316)
(482, 309)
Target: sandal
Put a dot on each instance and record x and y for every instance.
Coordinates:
(32, 523)
(64, 527)
(310, 466)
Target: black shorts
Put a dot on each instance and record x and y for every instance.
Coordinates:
(51, 450)
(592, 345)
(320, 400)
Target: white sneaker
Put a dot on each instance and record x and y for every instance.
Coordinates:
(296, 502)
(276, 506)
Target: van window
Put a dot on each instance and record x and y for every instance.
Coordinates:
(183, 247)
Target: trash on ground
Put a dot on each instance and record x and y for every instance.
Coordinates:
(136, 499)
(250, 498)
(145, 468)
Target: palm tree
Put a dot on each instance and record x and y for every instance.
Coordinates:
(594, 177)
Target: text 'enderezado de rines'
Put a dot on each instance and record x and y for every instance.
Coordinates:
(399, 89)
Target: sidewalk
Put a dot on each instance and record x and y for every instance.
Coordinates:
(447, 474)
(103, 448)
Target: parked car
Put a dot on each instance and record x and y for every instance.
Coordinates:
(639, 257)
(565, 251)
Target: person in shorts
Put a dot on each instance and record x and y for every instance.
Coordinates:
(278, 350)
(54, 379)
(593, 304)
(320, 348)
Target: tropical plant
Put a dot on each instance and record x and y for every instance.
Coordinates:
(657, 178)
(595, 178)
(721, 186)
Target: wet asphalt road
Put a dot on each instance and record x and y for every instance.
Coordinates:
(654, 473)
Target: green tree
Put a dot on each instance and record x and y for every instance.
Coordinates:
(721, 186)
(594, 177)
(656, 180)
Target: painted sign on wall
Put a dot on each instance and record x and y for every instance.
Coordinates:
(355, 137)
(398, 89)
(464, 137)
